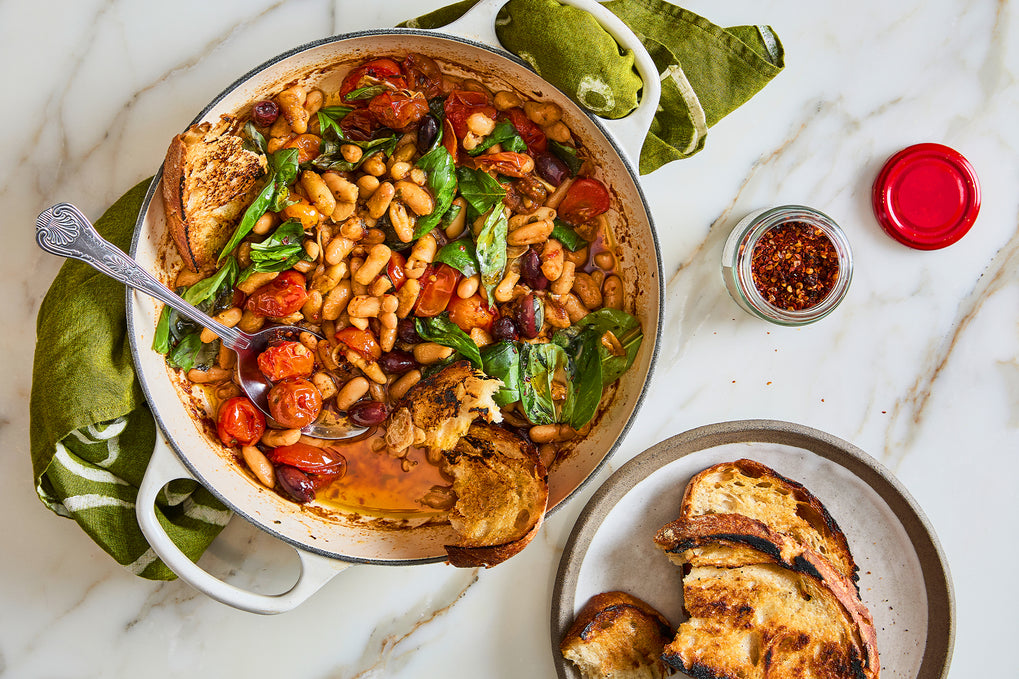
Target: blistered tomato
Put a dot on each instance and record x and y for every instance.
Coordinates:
(239, 422)
(280, 297)
(383, 70)
(395, 270)
(309, 459)
(286, 359)
(472, 312)
(437, 286)
(295, 402)
(362, 342)
(459, 106)
(586, 198)
(397, 110)
(528, 131)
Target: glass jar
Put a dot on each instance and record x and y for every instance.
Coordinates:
(801, 270)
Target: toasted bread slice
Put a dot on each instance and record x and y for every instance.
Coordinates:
(444, 405)
(617, 636)
(501, 490)
(209, 180)
(752, 489)
(762, 604)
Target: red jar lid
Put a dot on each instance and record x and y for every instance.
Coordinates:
(926, 196)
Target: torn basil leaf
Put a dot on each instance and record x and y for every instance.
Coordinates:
(502, 360)
(280, 251)
(567, 235)
(479, 189)
(442, 181)
(490, 248)
(625, 328)
(255, 142)
(367, 92)
(567, 154)
(505, 134)
(441, 330)
(282, 172)
(461, 255)
(543, 375)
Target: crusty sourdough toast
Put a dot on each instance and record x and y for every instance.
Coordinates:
(501, 490)
(755, 490)
(762, 604)
(617, 636)
(438, 410)
(209, 179)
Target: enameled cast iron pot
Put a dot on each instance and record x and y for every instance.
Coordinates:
(328, 542)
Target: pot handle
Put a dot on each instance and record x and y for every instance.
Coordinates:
(478, 24)
(165, 467)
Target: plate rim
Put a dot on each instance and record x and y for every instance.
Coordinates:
(940, 637)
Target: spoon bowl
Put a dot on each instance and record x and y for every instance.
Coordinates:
(64, 231)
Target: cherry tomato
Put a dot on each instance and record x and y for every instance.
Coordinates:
(309, 459)
(385, 70)
(358, 125)
(239, 422)
(585, 199)
(437, 286)
(506, 162)
(423, 74)
(361, 341)
(472, 312)
(280, 297)
(459, 106)
(528, 130)
(308, 146)
(295, 402)
(449, 139)
(286, 359)
(397, 110)
(397, 275)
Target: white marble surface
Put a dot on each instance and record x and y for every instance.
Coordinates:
(919, 366)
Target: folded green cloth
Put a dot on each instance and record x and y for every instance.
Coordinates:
(91, 431)
(706, 71)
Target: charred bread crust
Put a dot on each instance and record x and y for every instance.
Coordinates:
(829, 529)
(682, 536)
(517, 466)
(173, 202)
(617, 634)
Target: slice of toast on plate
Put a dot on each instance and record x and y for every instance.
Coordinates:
(501, 490)
(762, 604)
(209, 179)
(755, 490)
(617, 636)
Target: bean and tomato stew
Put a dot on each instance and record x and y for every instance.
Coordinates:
(412, 218)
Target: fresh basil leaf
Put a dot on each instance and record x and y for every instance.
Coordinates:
(490, 249)
(442, 180)
(502, 360)
(367, 92)
(451, 214)
(461, 255)
(284, 162)
(441, 330)
(567, 154)
(585, 375)
(255, 142)
(626, 329)
(280, 251)
(281, 199)
(505, 134)
(437, 107)
(479, 189)
(567, 235)
(191, 353)
(161, 340)
(331, 156)
(540, 365)
(211, 287)
(336, 113)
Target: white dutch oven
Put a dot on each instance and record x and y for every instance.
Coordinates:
(327, 541)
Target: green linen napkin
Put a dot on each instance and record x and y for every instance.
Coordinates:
(707, 71)
(91, 432)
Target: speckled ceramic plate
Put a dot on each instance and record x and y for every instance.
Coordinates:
(904, 579)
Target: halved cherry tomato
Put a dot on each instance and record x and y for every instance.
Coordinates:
(423, 74)
(385, 70)
(361, 341)
(437, 286)
(358, 125)
(308, 146)
(286, 359)
(449, 140)
(459, 106)
(472, 312)
(397, 110)
(528, 130)
(239, 422)
(506, 162)
(295, 402)
(309, 459)
(280, 297)
(395, 270)
(585, 199)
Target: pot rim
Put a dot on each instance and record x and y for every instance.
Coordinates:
(157, 178)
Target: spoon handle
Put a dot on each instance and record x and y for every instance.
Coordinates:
(63, 230)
